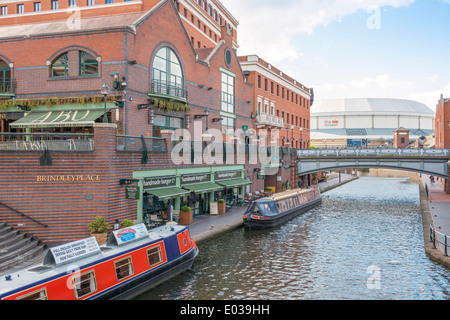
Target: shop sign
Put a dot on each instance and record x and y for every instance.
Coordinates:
(130, 234)
(227, 175)
(132, 193)
(191, 179)
(213, 208)
(76, 250)
(154, 183)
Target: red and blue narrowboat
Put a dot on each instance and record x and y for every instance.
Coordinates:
(132, 261)
(272, 211)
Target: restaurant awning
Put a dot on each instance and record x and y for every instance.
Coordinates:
(65, 118)
(168, 193)
(234, 182)
(203, 187)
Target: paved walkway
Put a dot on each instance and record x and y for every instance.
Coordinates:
(439, 206)
(206, 227)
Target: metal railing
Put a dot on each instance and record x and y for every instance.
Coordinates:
(134, 144)
(24, 215)
(375, 152)
(267, 119)
(7, 85)
(46, 141)
(167, 88)
(439, 237)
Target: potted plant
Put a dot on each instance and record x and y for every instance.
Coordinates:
(315, 179)
(186, 215)
(98, 228)
(268, 191)
(221, 206)
(126, 223)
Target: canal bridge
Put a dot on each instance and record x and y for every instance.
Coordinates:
(428, 161)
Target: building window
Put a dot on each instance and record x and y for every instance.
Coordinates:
(154, 256)
(227, 129)
(60, 66)
(4, 10)
(5, 77)
(88, 64)
(227, 92)
(84, 284)
(109, 1)
(165, 123)
(72, 3)
(259, 82)
(20, 9)
(37, 7)
(124, 268)
(90, 3)
(167, 74)
(55, 5)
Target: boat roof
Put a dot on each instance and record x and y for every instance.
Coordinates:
(50, 268)
(284, 195)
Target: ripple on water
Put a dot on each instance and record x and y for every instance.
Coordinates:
(364, 241)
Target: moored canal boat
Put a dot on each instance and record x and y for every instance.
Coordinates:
(271, 211)
(133, 260)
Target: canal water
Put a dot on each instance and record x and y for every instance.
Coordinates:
(365, 241)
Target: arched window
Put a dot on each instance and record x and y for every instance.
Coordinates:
(88, 64)
(167, 74)
(60, 66)
(5, 77)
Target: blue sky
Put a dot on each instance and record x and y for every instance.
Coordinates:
(352, 48)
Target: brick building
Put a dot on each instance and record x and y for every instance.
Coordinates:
(282, 111)
(442, 131)
(62, 165)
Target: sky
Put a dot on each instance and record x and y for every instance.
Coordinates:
(352, 48)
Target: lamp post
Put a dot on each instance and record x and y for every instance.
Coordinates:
(105, 91)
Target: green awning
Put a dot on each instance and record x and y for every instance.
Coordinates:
(234, 182)
(66, 118)
(203, 187)
(168, 193)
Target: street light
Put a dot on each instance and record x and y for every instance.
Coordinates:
(105, 91)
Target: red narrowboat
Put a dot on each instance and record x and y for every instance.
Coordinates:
(133, 260)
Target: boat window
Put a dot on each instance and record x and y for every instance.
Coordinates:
(84, 284)
(154, 255)
(124, 268)
(268, 208)
(36, 295)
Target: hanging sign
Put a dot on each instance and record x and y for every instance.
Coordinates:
(164, 182)
(132, 193)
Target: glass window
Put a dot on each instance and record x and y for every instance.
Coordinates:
(4, 11)
(124, 268)
(55, 5)
(37, 7)
(227, 129)
(60, 66)
(5, 77)
(227, 93)
(167, 73)
(36, 295)
(90, 3)
(72, 3)
(20, 9)
(84, 284)
(154, 256)
(268, 208)
(88, 64)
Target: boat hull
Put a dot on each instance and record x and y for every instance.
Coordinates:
(271, 222)
(137, 286)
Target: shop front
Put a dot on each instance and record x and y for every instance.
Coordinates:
(193, 187)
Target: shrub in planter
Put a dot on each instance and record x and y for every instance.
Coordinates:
(98, 228)
(126, 223)
(186, 215)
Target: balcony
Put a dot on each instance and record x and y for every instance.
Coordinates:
(267, 120)
(7, 87)
(169, 90)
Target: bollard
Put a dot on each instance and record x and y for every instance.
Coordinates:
(434, 239)
(446, 246)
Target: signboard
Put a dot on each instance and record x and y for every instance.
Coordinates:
(130, 234)
(331, 123)
(132, 193)
(191, 179)
(218, 176)
(154, 183)
(213, 208)
(76, 250)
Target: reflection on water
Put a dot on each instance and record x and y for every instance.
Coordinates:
(364, 242)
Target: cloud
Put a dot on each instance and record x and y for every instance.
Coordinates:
(267, 27)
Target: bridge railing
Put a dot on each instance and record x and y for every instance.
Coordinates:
(372, 152)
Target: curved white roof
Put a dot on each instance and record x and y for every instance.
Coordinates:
(369, 105)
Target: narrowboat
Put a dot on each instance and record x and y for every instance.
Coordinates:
(132, 261)
(271, 211)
